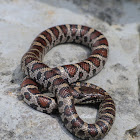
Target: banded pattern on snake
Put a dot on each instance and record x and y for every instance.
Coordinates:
(62, 80)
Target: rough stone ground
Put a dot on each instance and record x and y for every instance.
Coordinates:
(21, 21)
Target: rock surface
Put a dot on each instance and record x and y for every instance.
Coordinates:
(21, 21)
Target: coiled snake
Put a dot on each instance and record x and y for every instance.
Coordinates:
(58, 80)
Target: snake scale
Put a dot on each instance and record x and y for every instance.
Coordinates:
(63, 81)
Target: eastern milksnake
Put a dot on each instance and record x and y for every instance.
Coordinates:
(62, 80)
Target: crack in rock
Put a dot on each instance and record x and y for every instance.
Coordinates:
(133, 134)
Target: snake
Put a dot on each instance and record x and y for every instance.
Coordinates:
(67, 82)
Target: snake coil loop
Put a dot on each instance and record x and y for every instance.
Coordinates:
(62, 80)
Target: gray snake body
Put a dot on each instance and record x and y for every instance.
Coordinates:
(58, 80)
